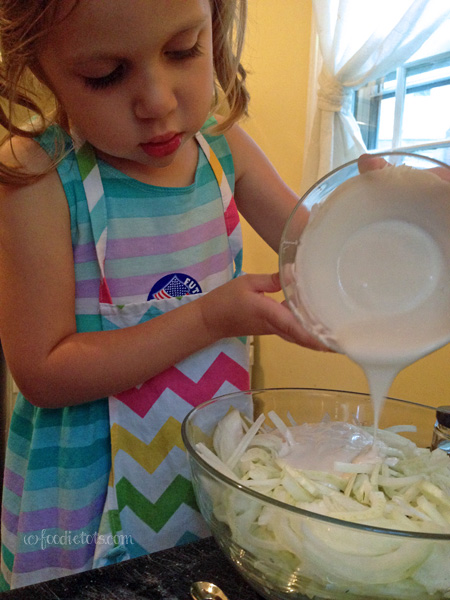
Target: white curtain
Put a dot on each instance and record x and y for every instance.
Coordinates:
(360, 41)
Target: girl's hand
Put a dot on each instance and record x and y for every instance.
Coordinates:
(367, 162)
(241, 307)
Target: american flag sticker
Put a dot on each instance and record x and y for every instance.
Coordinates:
(174, 285)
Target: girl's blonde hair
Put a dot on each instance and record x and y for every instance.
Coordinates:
(28, 107)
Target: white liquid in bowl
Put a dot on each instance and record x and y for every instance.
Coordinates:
(389, 267)
(372, 271)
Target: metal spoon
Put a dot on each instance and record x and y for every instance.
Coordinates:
(204, 590)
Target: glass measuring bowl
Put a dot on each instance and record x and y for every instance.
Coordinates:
(381, 257)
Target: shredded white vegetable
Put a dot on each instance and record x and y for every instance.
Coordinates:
(408, 489)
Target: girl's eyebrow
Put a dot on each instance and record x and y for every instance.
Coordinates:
(83, 57)
(198, 23)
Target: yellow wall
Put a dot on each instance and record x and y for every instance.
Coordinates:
(277, 57)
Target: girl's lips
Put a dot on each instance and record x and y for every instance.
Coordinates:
(163, 145)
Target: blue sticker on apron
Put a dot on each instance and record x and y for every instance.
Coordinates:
(174, 285)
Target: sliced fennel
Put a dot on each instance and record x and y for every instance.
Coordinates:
(400, 487)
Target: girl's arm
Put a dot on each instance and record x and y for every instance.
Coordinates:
(55, 366)
(261, 195)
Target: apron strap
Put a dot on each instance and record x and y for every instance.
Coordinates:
(95, 196)
(232, 222)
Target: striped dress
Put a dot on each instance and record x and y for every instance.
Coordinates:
(58, 461)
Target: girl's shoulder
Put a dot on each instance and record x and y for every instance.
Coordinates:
(236, 145)
(217, 141)
(27, 154)
(239, 144)
(55, 141)
(20, 152)
(35, 155)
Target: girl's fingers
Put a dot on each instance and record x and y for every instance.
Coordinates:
(367, 162)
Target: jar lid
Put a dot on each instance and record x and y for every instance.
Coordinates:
(443, 415)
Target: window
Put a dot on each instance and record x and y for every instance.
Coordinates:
(410, 107)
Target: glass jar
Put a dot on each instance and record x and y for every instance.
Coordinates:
(441, 432)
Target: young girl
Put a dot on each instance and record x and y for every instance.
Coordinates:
(120, 254)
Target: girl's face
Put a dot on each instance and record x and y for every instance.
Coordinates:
(135, 77)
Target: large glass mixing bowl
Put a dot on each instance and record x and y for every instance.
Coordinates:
(372, 253)
(314, 556)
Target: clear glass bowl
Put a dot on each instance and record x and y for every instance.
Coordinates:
(352, 286)
(397, 564)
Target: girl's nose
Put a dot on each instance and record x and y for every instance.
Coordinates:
(155, 96)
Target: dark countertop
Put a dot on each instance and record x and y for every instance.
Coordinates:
(165, 575)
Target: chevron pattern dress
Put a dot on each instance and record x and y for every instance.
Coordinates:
(98, 483)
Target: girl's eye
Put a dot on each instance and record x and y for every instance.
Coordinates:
(100, 83)
(192, 52)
